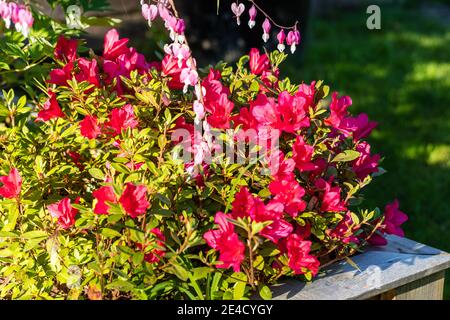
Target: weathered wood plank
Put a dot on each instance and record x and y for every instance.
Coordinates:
(401, 262)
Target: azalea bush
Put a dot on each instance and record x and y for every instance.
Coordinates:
(128, 178)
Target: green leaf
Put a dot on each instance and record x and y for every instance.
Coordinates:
(265, 292)
(239, 286)
(110, 233)
(120, 167)
(34, 234)
(137, 259)
(12, 218)
(347, 155)
(97, 174)
(121, 285)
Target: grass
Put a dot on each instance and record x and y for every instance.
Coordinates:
(400, 77)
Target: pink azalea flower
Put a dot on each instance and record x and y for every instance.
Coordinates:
(50, 109)
(289, 193)
(89, 127)
(104, 194)
(172, 69)
(393, 219)
(134, 199)
(338, 109)
(227, 242)
(113, 46)
(280, 167)
(300, 259)
(331, 198)
(258, 62)
(11, 184)
(66, 49)
(292, 112)
(360, 126)
(121, 119)
(365, 164)
(64, 212)
(302, 154)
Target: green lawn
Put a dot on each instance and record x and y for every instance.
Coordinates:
(400, 77)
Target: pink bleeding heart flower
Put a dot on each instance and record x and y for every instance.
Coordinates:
(64, 212)
(293, 39)
(266, 26)
(149, 12)
(199, 109)
(104, 194)
(252, 15)
(189, 77)
(281, 36)
(134, 200)
(11, 184)
(237, 10)
(179, 27)
(50, 109)
(89, 127)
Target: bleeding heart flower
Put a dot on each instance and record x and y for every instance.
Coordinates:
(281, 36)
(11, 184)
(237, 10)
(252, 15)
(149, 12)
(266, 28)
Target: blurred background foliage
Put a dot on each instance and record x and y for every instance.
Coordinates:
(399, 76)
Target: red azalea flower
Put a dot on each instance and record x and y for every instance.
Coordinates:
(50, 109)
(104, 194)
(289, 193)
(227, 242)
(88, 71)
(89, 127)
(331, 198)
(113, 46)
(134, 199)
(76, 158)
(344, 230)
(64, 211)
(171, 68)
(299, 256)
(11, 184)
(302, 154)
(155, 254)
(308, 93)
(220, 110)
(265, 111)
(60, 76)
(280, 167)
(122, 118)
(365, 164)
(66, 49)
(258, 62)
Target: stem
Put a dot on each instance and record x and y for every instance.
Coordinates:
(250, 250)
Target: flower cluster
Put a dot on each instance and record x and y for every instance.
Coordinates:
(17, 14)
(292, 38)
